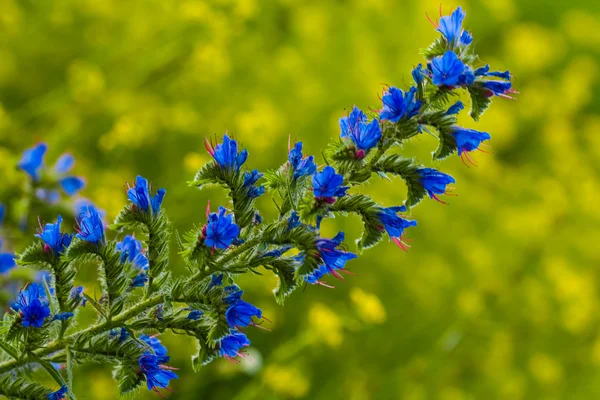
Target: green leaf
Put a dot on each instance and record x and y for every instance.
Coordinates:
(218, 329)
(437, 48)
(34, 255)
(285, 268)
(128, 378)
(447, 144)
(205, 355)
(17, 388)
(480, 100)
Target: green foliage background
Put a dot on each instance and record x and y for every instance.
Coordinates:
(499, 295)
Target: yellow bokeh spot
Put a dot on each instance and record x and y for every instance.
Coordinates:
(326, 326)
(545, 369)
(86, 81)
(470, 302)
(259, 125)
(533, 47)
(286, 381)
(194, 161)
(369, 306)
(582, 27)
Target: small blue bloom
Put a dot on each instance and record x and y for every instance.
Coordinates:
(468, 139)
(395, 225)
(90, 227)
(451, 27)
(220, 231)
(77, 295)
(139, 280)
(257, 218)
(32, 305)
(195, 315)
(466, 38)
(230, 345)
(216, 280)
(327, 184)
(232, 294)
(355, 126)
(302, 166)
(333, 258)
(81, 205)
(49, 196)
(72, 184)
(7, 262)
(155, 345)
(446, 70)
(63, 316)
(277, 252)
(398, 105)
(60, 394)
(240, 314)
(132, 251)
(497, 88)
(435, 182)
(2, 211)
(122, 334)
(226, 153)
(54, 240)
(156, 373)
(467, 77)
(455, 108)
(485, 71)
(33, 160)
(293, 221)
(418, 74)
(250, 179)
(141, 196)
(65, 163)
(314, 278)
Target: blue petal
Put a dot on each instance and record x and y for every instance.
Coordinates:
(64, 163)
(72, 184)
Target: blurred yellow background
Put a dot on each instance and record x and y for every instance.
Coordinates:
(499, 295)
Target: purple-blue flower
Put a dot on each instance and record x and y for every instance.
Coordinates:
(139, 280)
(155, 345)
(302, 166)
(451, 27)
(81, 205)
(446, 70)
(195, 315)
(418, 74)
(141, 196)
(63, 316)
(232, 294)
(155, 371)
(455, 108)
(498, 88)
(60, 394)
(435, 182)
(231, 345)
(240, 313)
(70, 184)
(220, 231)
(365, 135)
(32, 160)
(395, 225)
(226, 153)
(7, 262)
(90, 227)
(216, 280)
(132, 251)
(293, 221)
(468, 140)
(77, 295)
(327, 184)
(122, 334)
(32, 306)
(485, 71)
(250, 179)
(54, 240)
(398, 105)
(333, 258)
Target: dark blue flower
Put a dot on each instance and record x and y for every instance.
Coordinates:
(398, 105)
(32, 305)
(7, 262)
(485, 71)
(63, 316)
(451, 27)
(157, 374)
(226, 153)
(301, 166)
(418, 74)
(446, 70)
(33, 160)
(240, 314)
(139, 280)
(220, 231)
(194, 315)
(77, 295)
(395, 225)
(467, 77)
(327, 184)
(54, 240)
(216, 280)
(314, 278)
(455, 108)
(435, 182)
(232, 294)
(293, 221)
(90, 227)
(141, 196)
(468, 140)
(155, 345)
(230, 345)
(60, 394)
(333, 258)
(365, 135)
(250, 179)
(132, 251)
(498, 88)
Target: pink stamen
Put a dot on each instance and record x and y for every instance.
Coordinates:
(463, 159)
(209, 147)
(259, 326)
(324, 284)
(401, 244)
(267, 319)
(208, 209)
(348, 272)
(438, 199)
(338, 276)
(470, 159)
(435, 24)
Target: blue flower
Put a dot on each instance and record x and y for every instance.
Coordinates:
(485, 71)
(81, 205)
(220, 231)
(293, 221)
(90, 227)
(7, 262)
(468, 139)
(446, 70)
(54, 240)
(32, 305)
(194, 315)
(240, 314)
(122, 334)
(70, 184)
(140, 196)
(77, 295)
(451, 27)
(364, 135)
(467, 77)
(455, 108)
(395, 225)
(49, 196)
(60, 394)
(131, 251)
(230, 345)
(418, 74)
(301, 166)
(277, 252)
(232, 294)
(63, 316)
(333, 259)
(498, 88)
(226, 153)
(398, 105)
(33, 160)
(435, 182)
(250, 179)
(2, 212)
(155, 371)
(139, 280)
(216, 280)
(314, 278)
(155, 345)
(327, 184)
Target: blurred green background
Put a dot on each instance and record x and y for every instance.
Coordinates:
(499, 295)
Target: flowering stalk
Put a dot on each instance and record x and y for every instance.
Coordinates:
(141, 298)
